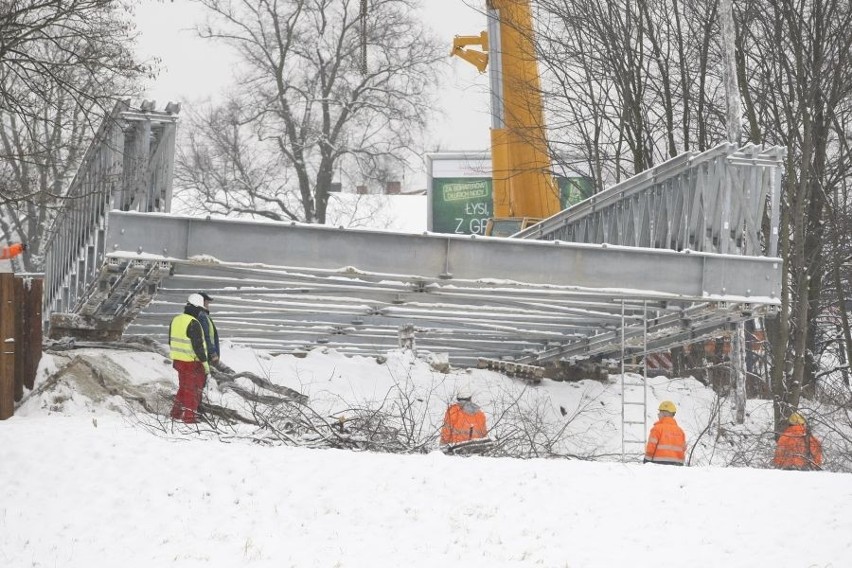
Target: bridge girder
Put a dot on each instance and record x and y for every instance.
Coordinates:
(289, 287)
(666, 258)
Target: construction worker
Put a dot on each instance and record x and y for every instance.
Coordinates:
(189, 358)
(797, 448)
(13, 250)
(666, 442)
(211, 334)
(463, 420)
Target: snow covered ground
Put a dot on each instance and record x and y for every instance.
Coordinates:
(89, 478)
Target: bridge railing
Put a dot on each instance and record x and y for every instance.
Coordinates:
(714, 201)
(128, 166)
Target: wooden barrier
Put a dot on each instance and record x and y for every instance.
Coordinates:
(20, 337)
(7, 345)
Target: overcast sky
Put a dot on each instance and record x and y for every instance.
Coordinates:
(194, 69)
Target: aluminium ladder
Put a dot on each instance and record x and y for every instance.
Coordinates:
(634, 397)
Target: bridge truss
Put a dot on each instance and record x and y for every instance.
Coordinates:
(663, 259)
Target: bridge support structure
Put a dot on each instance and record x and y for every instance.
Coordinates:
(665, 259)
(128, 167)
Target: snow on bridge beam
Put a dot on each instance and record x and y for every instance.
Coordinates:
(589, 269)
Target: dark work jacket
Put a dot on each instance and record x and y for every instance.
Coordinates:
(211, 334)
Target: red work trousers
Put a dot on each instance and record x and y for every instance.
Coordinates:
(191, 378)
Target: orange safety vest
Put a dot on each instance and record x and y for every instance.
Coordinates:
(463, 422)
(666, 442)
(11, 251)
(792, 452)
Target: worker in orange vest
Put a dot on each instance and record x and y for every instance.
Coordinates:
(463, 421)
(797, 447)
(13, 250)
(666, 442)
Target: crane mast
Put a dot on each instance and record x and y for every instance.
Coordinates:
(523, 188)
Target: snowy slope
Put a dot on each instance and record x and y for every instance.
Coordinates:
(89, 479)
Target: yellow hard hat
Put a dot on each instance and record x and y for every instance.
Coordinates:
(668, 406)
(796, 418)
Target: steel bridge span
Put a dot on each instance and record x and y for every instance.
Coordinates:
(666, 258)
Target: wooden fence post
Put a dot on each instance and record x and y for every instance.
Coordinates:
(20, 347)
(28, 336)
(32, 331)
(7, 345)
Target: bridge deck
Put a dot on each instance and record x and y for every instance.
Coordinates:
(288, 287)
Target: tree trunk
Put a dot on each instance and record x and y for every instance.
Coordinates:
(738, 372)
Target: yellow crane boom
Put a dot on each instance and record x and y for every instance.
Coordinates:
(523, 187)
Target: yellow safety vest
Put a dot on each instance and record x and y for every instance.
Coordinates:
(179, 342)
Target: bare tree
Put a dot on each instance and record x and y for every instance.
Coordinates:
(62, 66)
(228, 170)
(624, 76)
(630, 84)
(51, 44)
(797, 58)
(313, 111)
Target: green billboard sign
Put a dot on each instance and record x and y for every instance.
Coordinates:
(573, 190)
(463, 205)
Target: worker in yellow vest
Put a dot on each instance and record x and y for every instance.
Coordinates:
(188, 352)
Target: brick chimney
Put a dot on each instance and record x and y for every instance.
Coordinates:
(393, 188)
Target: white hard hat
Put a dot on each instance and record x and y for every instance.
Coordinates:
(464, 392)
(195, 300)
